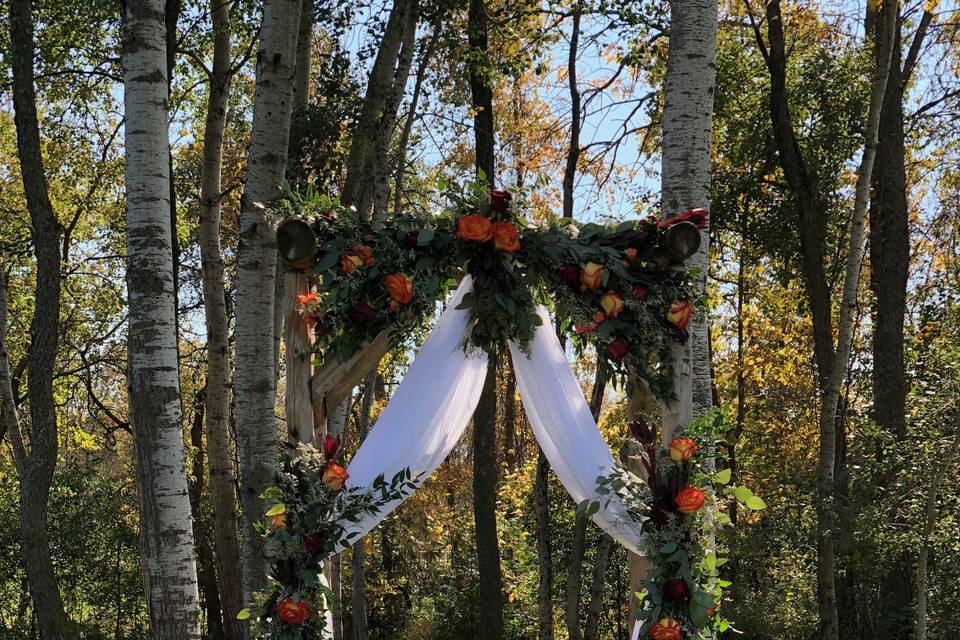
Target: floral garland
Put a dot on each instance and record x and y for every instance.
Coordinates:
(308, 511)
(611, 286)
(676, 507)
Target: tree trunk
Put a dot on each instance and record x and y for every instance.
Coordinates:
(301, 95)
(35, 468)
(156, 411)
(256, 273)
(541, 507)
(576, 120)
(361, 629)
(591, 628)
(220, 451)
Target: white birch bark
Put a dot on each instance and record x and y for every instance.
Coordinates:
(166, 534)
(256, 272)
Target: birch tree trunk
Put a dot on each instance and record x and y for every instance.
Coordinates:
(35, 469)
(166, 533)
(223, 474)
(257, 433)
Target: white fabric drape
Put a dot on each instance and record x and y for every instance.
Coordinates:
(435, 401)
(565, 428)
(429, 410)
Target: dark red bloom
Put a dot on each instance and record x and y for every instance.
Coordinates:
(283, 572)
(617, 348)
(412, 239)
(640, 291)
(570, 273)
(677, 590)
(314, 543)
(361, 313)
(331, 447)
(696, 216)
(500, 200)
(659, 516)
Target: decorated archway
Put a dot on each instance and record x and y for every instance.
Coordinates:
(355, 289)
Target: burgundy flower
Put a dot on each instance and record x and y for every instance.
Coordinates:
(640, 291)
(659, 517)
(283, 572)
(617, 348)
(331, 447)
(677, 590)
(361, 313)
(696, 216)
(324, 326)
(314, 544)
(411, 240)
(499, 200)
(570, 273)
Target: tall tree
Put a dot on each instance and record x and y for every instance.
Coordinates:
(257, 433)
(35, 467)
(223, 473)
(156, 410)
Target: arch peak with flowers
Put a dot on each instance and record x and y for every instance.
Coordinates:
(358, 288)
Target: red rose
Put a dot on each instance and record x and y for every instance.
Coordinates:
(689, 500)
(474, 227)
(677, 590)
(361, 313)
(696, 216)
(331, 447)
(364, 253)
(588, 327)
(570, 274)
(666, 629)
(599, 317)
(640, 292)
(500, 200)
(314, 544)
(505, 237)
(293, 612)
(617, 348)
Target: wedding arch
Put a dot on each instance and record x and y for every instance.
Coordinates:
(356, 287)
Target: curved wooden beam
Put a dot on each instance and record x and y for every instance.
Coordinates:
(296, 244)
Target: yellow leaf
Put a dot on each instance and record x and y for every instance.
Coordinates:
(277, 509)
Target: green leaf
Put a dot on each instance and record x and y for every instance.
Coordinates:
(722, 476)
(756, 503)
(710, 561)
(742, 493)
(277, 509)
(425, 237)
(670, 547)
(326, 261)
(243, 614)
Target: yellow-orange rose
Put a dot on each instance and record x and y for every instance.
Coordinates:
(399, 286)
(364, 253)
(665, 629)
(293, 612)
(612, 303)
(591, 276)
(474, 227)
(680, 313)
(279, 521)
(689, 500)
(335, 476)
(505, 237)
(350, 262)
(682, 449)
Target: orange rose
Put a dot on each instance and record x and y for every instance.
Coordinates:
(591, 277)
(400, 287)
(599, 317)
(682, 449)
(335, 476)
(350, 262)
(293, 612)
(364, 253)
(665, 629)
(680, 313)
(689, 500)
(612, 303)
(505, 237)
(308, 299)
(279, 521)
(474, 227)
(581, 329)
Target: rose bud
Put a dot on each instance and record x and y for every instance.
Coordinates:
(612, 303)
(680, 313)
(591, 277)
(689, 500)
(677, 590)
(682, 449)
(640, 292)
(500, 200)
(293, 612)
(361, 313)
(412, 239)
(665, 629)
(314, 544)
(617, 348)
(335, 476)
(570, 274)
(331, 447)
(474, 227)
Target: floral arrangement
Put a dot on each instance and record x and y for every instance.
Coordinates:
(615, 287)
(309, 511)
(676, 507)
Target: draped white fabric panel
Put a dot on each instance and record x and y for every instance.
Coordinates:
(429, 410)
(433, 405)
(565, 428)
